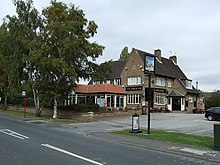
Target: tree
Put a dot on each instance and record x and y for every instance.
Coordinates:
(57, 50)
(103, 71)
(10, 65)
(124, 54)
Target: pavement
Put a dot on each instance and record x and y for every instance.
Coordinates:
(212, 156)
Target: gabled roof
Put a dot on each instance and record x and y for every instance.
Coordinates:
(165, 67)
(117, 68)
(99, 88)
(175, 94)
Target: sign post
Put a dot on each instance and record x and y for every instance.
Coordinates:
(149, 69)
(24, 95)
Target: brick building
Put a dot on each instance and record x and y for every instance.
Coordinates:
(171, 88)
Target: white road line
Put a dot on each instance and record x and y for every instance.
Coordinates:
(14, 134)
(71, 154)
(199, 131)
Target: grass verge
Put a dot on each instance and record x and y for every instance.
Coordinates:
(32, 116)
(179, 138)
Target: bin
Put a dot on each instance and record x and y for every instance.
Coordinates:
(217, 136)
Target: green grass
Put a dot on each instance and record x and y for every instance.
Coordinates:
(200, 141)
(32, 116)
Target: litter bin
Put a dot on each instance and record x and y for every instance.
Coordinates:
(217, 136)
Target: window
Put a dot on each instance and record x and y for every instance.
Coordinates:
(160, 100)
(134, 80)
(160, 81)
(134, 99)
(119, 101)
(117, 81)
(108, 81)
(81, 99)
(188, 84)
(96, 82)
(169, 83)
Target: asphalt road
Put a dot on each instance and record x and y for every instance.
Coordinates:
(194, 124)
(25, 142)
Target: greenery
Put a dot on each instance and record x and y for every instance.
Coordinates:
(212, 99)
(124, 55)
(45, 53)
(200, 141)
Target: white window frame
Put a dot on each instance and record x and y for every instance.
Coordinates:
(160, 81)
(134, 99)
(134, 80)
(160, 100)
(169, 83)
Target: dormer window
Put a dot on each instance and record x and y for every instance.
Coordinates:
(187, 84)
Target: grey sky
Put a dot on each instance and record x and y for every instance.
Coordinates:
(188, 28)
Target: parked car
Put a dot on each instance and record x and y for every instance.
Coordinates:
(213, 113)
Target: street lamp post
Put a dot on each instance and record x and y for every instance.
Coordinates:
(24, 95)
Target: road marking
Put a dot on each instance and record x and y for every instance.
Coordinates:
(199, 131)
(71, 154)
(14, 134)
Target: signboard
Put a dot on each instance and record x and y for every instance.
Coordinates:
(149, 64)
(137, 88)
(23, 93)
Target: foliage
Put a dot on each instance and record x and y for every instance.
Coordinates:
(80, 107)
(212, 99)
(103, 71)
(53, 49)
(124, 55)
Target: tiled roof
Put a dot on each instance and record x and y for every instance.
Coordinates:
(99, 88)
(117, 68)
(164, 68)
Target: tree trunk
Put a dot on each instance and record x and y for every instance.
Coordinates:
(55, 108)
(5, 104)
(36, 103)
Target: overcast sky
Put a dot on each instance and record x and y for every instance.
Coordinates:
(190, 29)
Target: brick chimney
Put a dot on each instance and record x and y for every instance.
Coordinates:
(174, 59)
(157, 53)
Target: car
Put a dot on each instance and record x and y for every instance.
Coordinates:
(213, 113)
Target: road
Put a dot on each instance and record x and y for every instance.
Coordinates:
(25, 142)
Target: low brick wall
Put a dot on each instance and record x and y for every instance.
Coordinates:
(70, 114)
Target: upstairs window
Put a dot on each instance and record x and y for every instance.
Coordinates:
(134, 81)
(188, 84)
(169, 83)
(160, 81)
(117, 81)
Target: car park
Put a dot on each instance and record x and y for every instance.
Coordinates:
(213, 113)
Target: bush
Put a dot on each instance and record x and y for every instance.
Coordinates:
(79, 107)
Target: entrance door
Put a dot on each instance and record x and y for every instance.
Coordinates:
(176, 104)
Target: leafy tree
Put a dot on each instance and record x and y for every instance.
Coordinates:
(103, 71)
(212, 99)
(124, 54)
(26, 28)
(56, 49)
(10, 65)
